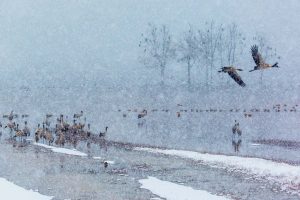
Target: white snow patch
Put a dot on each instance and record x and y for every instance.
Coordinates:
(172, 191)
(255, 144)
(62, 150)
(285, 174)
(110, 162)
(8, 190)
(155, 198)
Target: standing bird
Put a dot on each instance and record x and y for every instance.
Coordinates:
(78, 115)
(38, 133)
(235, 127)
(25, 115)
(232, 72)
(88, 131)
(105, 164)
(11, 116)
(142, 114)
(47, 121)
(259, 61)
(19, 133)
(60, 140)
(26, 129)
(103, 134)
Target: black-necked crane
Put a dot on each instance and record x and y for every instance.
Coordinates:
(238, 130)
(26, 129)
(60, 140)
(11, 125)
(105, 164)
(47, 121)
(38, 133)
(247, 115)
(25, 115)
(48, 136)
(19, 133)
(235, 127)
(88, 131)
(11, 116)
(232, 72)
(236, 141)
(259, 61)
(142, 114)
(103, 134)
(78, 115)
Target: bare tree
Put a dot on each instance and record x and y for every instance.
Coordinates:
(209, 40)
(158, 49)
(189, 51)
(234, 44)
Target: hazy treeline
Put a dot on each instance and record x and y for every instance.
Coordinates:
(207, 48)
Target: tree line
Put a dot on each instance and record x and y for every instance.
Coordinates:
(208, 48)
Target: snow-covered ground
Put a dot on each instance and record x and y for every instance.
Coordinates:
(172, 191)
(73, 152)
(287, 175)
(66, 176)
(62, 150)
(10, 191)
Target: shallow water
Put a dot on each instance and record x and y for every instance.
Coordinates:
(200, 131)
(75, 177)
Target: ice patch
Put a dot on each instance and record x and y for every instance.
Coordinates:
(285, 174)
(62, 150)
(172, 191)
(8, 190)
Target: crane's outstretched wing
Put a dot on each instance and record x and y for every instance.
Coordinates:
(237, 78)
(256, 55)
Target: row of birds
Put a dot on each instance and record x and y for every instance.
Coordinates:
(260, 65)
(276, 108)
(60, 134)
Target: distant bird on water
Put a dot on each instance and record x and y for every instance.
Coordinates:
(11, 116)
(142, 114)
(259, 61)
(105, 164)
(78, 115)
(232, 72)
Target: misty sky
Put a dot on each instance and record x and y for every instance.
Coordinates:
(53, 38)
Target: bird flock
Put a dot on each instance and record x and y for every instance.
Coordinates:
(63, 131)
(79, 130)
(260, 65)
(277, 108)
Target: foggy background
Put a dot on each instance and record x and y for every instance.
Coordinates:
(55, 41)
